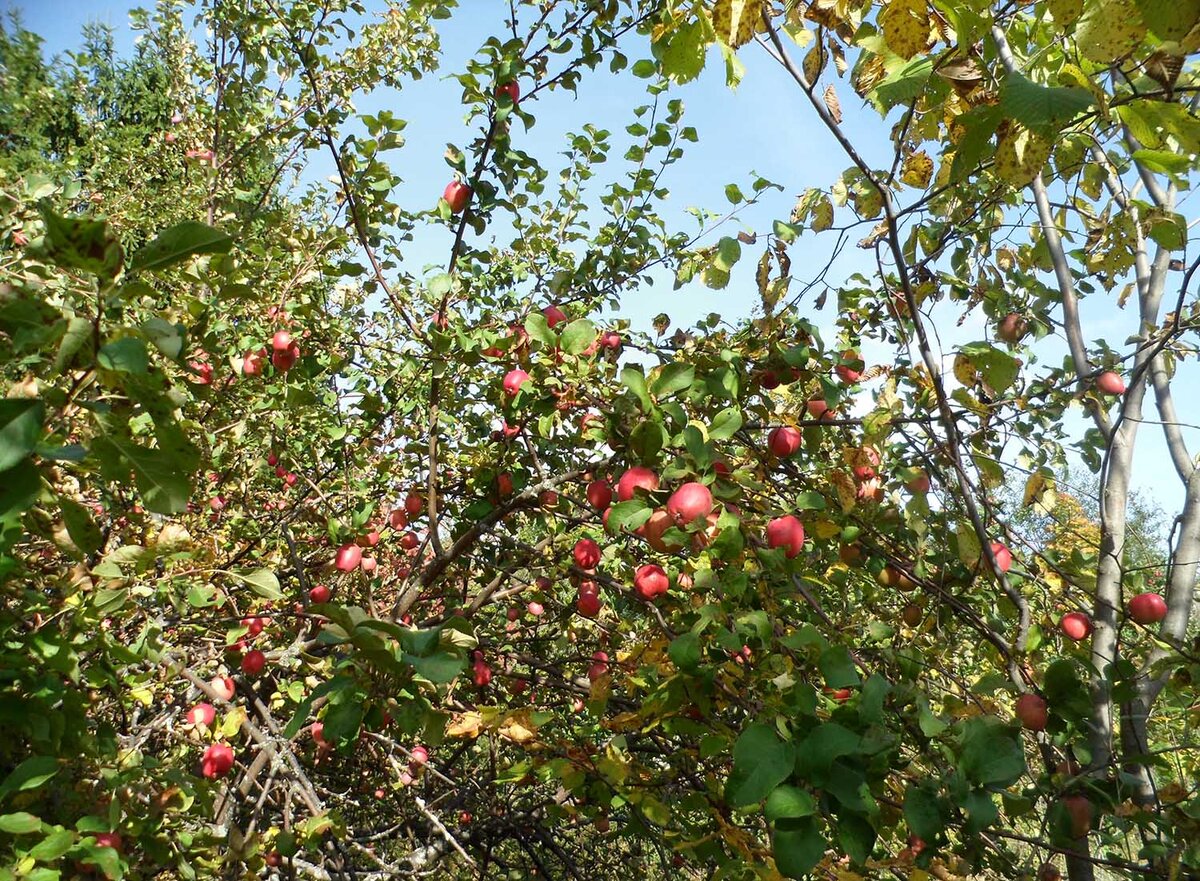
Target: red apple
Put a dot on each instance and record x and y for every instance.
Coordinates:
(1032, 712)
(786, 532)
(919, 484)
(510, 88)
(586, 553)
(108, 839)
(1147, 608)
(481, 674)
(1079, 809)
(847, 371)
(599, 666)
(398, 519)
(252, 362)
(217, 760)
(409, 541)
(254, 625)
(348, 558)
(320, 594)
(588, 604)
(1110, 383)
(637, 477)
(818, 409)
(660, 521)
(282, 341)
(535, 609)
(599, 494)
(1011, 328)
(369, 540)
(286, 359)
(204, 713)
(253, 662)
(318, 734)
(1003, 556)
(548, 498)
(413, 504)
(691, 501)
(651, 581)
(504, 485)
(1076, 626)
(223, 687)
(513, 380)
(457, 194)
(768, 380)
(554, 315)
(418, 755)
(911, 614)
(369, 564)
(784, 441)
(610, 340)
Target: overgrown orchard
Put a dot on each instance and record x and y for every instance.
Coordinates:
(321, 563)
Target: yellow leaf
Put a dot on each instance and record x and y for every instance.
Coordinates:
(465, 725)
(835, 107)
(964, 369)
(918, 169)
(1021, 155)
(905, 26)
(1109, 30)
(1064, 11)
(736, 21)
(824, 529)
(846, 490)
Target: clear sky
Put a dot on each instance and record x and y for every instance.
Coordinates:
(765, 126)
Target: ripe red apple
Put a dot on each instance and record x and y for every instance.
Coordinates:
(786, 532)
(418, 755)
(513, 380)
(252, 362)
(548, 498)
(1110, 383)
(217, 760)
(610, 339)
(818, 409)
(320, 594)
(1079, 809)
(847, 371)
(481, 674)
(599, 666)
(588, 604)
(691, 501)
(285, 359)
(253, 662)
(204, 372)
(784, 441)
(1076, 626)
(554, 316)
(282, 341)
(536, 609)
(274, 859)
(660, 521)
(290, 478)
(637, 477)
(1011, 328)
(1048, 872)
(504, 485)
(254, 625)
(409, 541)
(1032, 712)
(223, 686)
(651, 581)
(1003, 556)
(317, 730)
(586, 553)
(348, 558)
(369, 564)
(413, 504)
(919, 484)
(108, 839)
(599, 494)
(457, 194)
(369, 540)
(398, 519)
(768, 380)
(202, 713)
(510, 88)
(1147, 608)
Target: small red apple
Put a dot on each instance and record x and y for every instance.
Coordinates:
(651, 581)
(285, 359)
(554, 316)
(1011, 328)
(481, 674)
(204, 713)
(691, 501)
(418, 755)
(768, 380)
(850, 370)
(1110, 383)
(457, 195)
(599, 494)
(818, 409)
(588, 604)
(1032, 712)
(318, 734)
(599, 666)
(282, 341)
(919, 484)
(513, 380)
(1003, 556)
(610, 340)
(637, 477)
(586, 553)
(252, 362)
(223, 686)
(348, 558)
(1076, 626)
(320, 594)
(784, 441)
(217, 760)
(1079, 809)
(1147, 608)
(786, 532)
(536, 609)
(512, 89)
(253, 662)
(398, 519)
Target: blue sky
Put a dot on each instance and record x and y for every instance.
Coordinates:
(765, 126)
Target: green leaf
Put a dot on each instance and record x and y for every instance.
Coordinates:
(52, 847)
(158, 475)
(923, 811)
(1041, 107)
(810, 501)
(856, 836)
(837, 667)
(628, 516)
(787, 802)
(438, 668)
(539, 329)
(30, 774)
(83, 530)
(998, 368)
(19, 489)
(577, 336)
(1167, 229)
(824, 744)
(904, 84)
(991, 753)
(982, 810)
(798, 848)
(634, 379)
(77, 335)
(166, 337)
(647, 439)
(263, 582)
(684, 651)
(1164, 161)
(176, 244)
(674, 377)
(761, 761)
(126, 355)
(20, 823)
(20, 428)
(80, 243)
(1170, 19)
(725, 424)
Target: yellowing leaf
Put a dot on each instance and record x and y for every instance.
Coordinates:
(1064, 11)
(964, 369)
(736, 21)
(465, 725)
(846, 490)
(1109, 30)
(905, 26)
(824, 529)
(917, 170)
(1021, 155)
(835, 107)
